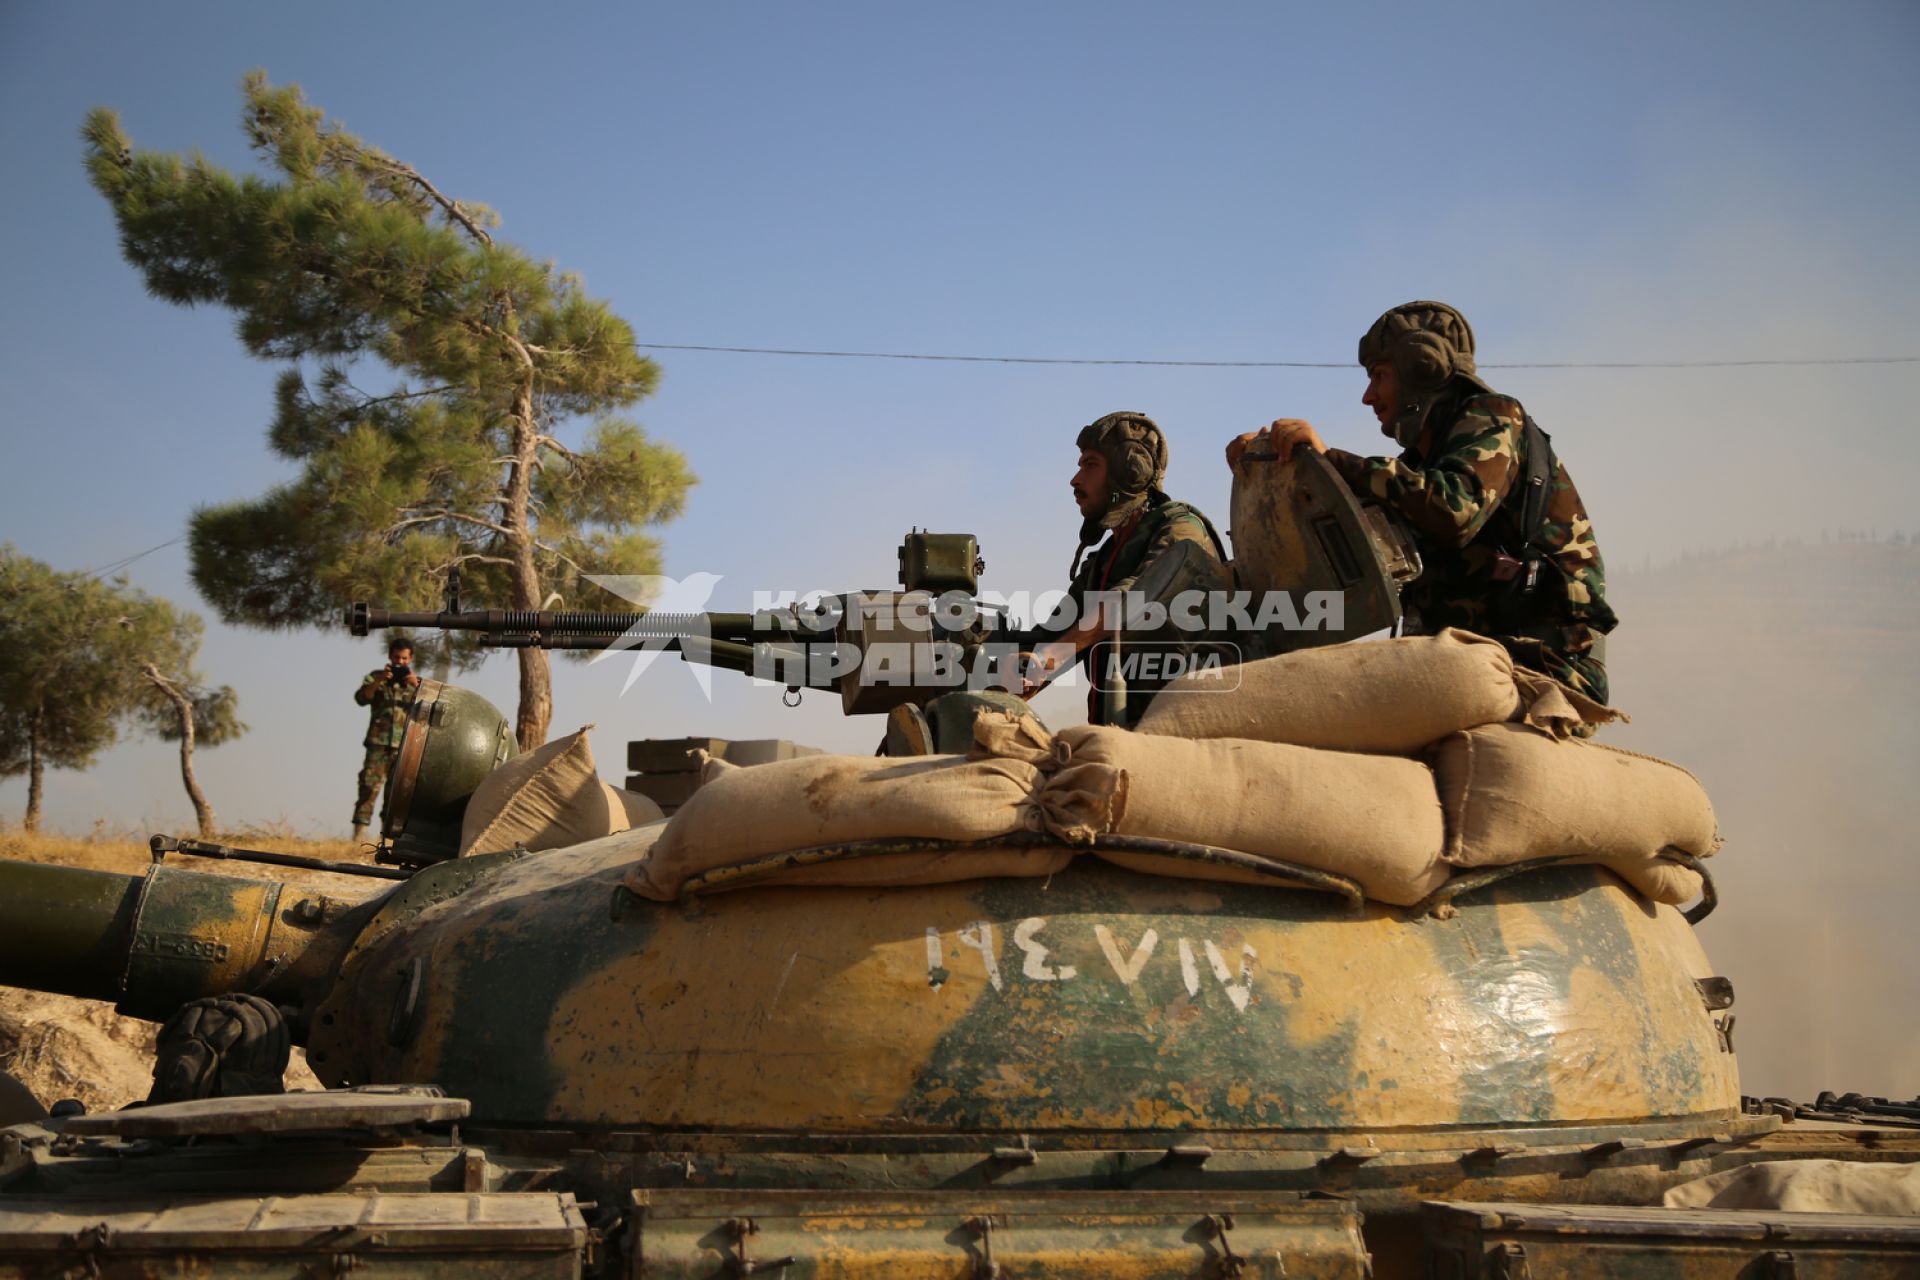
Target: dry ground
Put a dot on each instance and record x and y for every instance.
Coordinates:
(60, 1047)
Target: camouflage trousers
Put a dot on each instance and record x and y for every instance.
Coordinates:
(373, 775)
(1577, 671)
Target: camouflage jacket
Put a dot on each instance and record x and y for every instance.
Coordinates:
(1458, 490)
(390, 703)
(1117, 563)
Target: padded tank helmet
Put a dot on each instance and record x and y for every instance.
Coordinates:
(1136, 454)
(1429, 345)
(1135, 450)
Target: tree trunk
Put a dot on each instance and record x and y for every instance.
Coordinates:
(536, 668)
(202, 811)
(36, 770)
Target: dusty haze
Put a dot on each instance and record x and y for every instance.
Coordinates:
(1784, 677)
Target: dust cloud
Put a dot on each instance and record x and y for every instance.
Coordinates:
(1783, 676)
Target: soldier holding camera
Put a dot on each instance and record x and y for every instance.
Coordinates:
(389, 691)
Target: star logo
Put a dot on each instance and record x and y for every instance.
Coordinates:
(671, 601)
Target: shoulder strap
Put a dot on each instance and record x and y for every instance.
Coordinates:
(1536, 479)
(1174, 509)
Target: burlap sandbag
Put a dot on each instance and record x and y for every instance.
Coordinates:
(547, 798)
(637, 810)
(1385, 696)
(1373, 818)
(739, 815)
(1513, 793)
(1392, 696)
(1806, 1186)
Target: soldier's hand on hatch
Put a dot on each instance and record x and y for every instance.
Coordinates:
(1238, 445)
(413, 679)
(1284, 435)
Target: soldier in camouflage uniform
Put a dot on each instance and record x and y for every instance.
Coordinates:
(389, 691)
(1123, 459)
(1459, 485)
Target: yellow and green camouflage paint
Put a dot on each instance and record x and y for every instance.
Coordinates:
(1097, 1002)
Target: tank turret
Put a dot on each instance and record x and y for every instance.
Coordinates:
(1103, 1037)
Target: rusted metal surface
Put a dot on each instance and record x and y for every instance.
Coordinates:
(1063, 1235)
(510, 1234)
(393, 1108)
(1296, 527)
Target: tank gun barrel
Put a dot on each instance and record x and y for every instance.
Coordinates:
(151, 943)
(65, 929)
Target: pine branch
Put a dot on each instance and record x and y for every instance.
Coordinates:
(452, 207)
(561, 556)
(430, 517)
(475, 558)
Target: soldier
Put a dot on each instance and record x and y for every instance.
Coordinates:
(1123, 459)
(1527, 573)
(389, 691)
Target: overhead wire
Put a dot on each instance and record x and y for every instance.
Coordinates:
(115, 566)
(1268, 364)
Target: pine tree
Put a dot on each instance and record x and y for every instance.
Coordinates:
(79, 658)
(347, 260)
(171, 698)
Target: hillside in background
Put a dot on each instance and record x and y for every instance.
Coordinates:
(1785, 678)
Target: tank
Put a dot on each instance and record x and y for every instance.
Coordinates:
(531, 1072)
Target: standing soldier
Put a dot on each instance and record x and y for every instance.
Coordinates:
(1506, 543)
(389, 691)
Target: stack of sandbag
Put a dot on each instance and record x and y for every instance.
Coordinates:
(1324, 759)
(1372, 818)
(1394, 697)
(1512, 781)
(740, 814)
(549, 797)
(1513, 794)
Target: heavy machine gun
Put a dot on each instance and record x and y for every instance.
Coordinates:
(879, 649)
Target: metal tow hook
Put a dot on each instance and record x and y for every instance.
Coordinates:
(740, 1264)
(1231, 1263)
(1509, 1262)
(984, 1266)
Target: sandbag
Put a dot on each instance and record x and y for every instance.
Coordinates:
(544, 799)
(1513, 793)
(638, 810)
(1806, 1186)
(1374, 818)
(1392, 696)
(739, 815)
(1387, 696)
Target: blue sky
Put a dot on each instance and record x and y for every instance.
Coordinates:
(1252, 182)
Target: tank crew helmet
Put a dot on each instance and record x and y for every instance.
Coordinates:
(1135, 450)
(1136, 454)
(1429, 346)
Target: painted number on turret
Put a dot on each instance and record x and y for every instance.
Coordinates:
(1027, 954)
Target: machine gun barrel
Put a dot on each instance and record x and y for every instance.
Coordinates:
(364, 618)
(915, 648)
